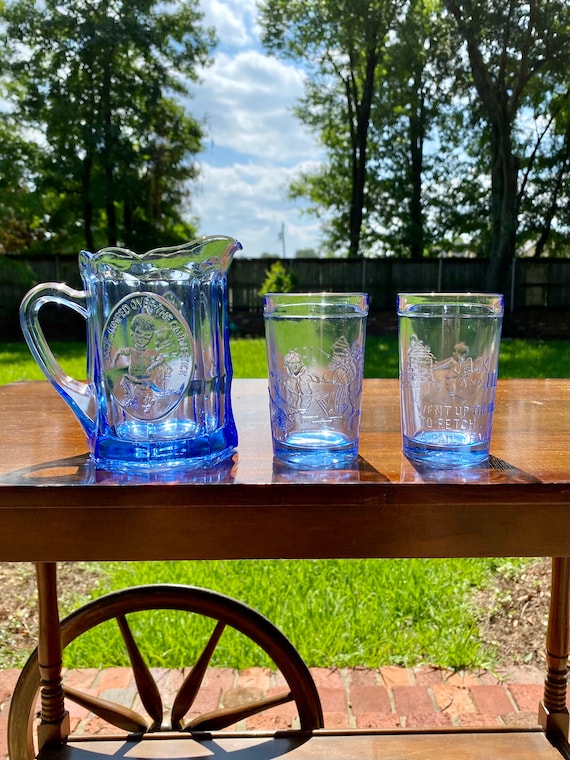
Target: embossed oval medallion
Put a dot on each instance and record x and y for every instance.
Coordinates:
(148, 355)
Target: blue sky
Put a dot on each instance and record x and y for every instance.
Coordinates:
(254, 144)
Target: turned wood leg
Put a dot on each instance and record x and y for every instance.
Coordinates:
(54, 725)
(553, 713)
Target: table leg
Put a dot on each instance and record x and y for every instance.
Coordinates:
(54, 725)
(553, 714)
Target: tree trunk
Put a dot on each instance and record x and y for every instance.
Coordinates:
(499, 105)
(553, 206)
(87, 202)
(110, 207)
(360, 108)
(416, 223)
(504, 207)
(107, 158)
(357, 195)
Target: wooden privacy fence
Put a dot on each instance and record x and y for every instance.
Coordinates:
(533, 282)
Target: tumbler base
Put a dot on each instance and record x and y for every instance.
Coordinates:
(319, 449)
(460, 453)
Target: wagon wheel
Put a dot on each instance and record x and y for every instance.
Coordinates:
(224, 611)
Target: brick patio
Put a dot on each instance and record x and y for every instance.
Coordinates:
(389, 697)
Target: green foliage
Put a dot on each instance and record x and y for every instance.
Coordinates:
(16, 278)
(337, 613)
(21, 212)
(98, 82)
(278, 279)
(16, 273)
(445, 125)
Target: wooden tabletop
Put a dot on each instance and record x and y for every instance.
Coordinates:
(54, 506)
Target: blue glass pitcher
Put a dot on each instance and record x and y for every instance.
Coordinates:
(158, 359)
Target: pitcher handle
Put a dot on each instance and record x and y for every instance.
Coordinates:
(78, 395)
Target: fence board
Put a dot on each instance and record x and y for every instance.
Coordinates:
(534, 282)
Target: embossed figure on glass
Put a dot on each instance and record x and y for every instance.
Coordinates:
(458, 367)
(420, 361)
(148, 355)
(347, 384)
(454, 373)
(147, 372)
(449, 346)
(315, 353)
(298, 385)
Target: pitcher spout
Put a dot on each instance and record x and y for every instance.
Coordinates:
(214, 252)
(196, 258)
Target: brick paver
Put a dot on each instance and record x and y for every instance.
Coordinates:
(526, 696)
(412, 699)
(454, 700)
(492, 700)
(369, 699)
(389, 697)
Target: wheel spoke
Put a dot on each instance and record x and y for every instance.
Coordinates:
(146, 685)
(115, 714)
(218, 719)
(189, 689)
(222, 612)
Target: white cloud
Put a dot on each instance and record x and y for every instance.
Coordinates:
(234, 22)
(247, 101)
(248, 201)
(254, 143)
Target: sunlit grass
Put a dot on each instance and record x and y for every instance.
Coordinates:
(534, 358)
(518, 358)
(336, 612)
(16, 362)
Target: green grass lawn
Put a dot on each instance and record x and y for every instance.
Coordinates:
(345, 612)
(518, 358)
(336, 612)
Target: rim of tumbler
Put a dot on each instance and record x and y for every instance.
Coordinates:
(320, 293)
(449, 294)
(273, 301)
(496, 301)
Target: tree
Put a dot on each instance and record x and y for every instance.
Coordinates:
(545, 186)
(377, 180)
(96, 83)
(21, 213)
(307, 253)
(406, 174)
(342, 43)
(512, 48)
(410, 56)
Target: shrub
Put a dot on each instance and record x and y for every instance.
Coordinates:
(278, 279)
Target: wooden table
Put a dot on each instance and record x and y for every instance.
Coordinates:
(54, 507)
